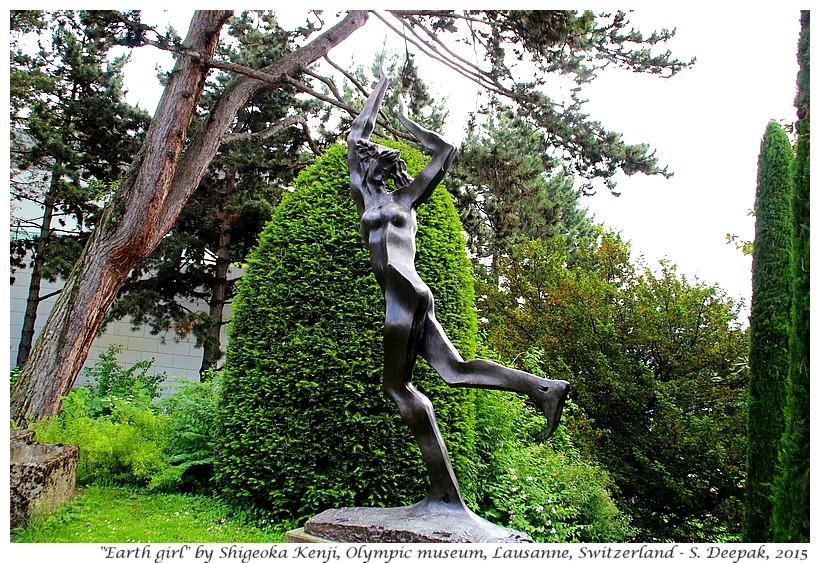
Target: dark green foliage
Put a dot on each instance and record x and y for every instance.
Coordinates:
(656, 365)
(768, 327)
(791, 505)
(510, 190)
(551, 491)
(193, 430)
(306, 425)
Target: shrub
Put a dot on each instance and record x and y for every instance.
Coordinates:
(124, 447)
(121, 434)
(547, 490)
(193, 429)
(306, 425)
(108, 379)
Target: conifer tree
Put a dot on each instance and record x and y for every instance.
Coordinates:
(510, 190)
(791, 505)
(72, 138)
(768, 328)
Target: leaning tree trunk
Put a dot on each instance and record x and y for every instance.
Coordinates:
(122, 238)
(144, 209)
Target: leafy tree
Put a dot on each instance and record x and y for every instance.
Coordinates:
(768, 327)
(72, 136)
(302, 377)
(171, 163)
(508, 192)
(655, 363)
(790, 518)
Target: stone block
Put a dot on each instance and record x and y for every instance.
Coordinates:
(41, 478)
(407, 525)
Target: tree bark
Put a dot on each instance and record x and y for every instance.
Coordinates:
(159, 183)
(212, 348)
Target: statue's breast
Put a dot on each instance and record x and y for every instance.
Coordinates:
(386, 215)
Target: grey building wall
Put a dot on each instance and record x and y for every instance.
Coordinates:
(175, 356)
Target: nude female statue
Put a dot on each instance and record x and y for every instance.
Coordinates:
(388, 226)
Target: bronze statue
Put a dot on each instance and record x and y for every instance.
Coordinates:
(388, 226)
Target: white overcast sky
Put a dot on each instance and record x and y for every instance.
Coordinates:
(705, 123)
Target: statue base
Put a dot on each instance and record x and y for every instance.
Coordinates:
(407, 525)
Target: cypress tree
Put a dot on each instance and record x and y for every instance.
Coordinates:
(791, 508)
(768, 327)
(305, 424)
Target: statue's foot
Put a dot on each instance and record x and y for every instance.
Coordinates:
(551, 396)
(435, 504)
(453, 520)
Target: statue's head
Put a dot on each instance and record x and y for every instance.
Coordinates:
(383, 163)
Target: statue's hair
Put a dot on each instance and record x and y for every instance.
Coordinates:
(369, 151)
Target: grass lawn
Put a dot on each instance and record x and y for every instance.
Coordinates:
(118, 515)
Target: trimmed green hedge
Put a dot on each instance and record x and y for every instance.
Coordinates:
(305, 423)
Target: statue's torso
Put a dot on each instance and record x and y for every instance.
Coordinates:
(389, 229)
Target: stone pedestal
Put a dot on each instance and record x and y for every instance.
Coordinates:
(300, 536)
(41, 477)
(406, 525)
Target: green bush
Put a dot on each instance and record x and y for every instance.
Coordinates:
(547, 490)
(192, 430)
(306, 425)
(109, 380)
(128, 437)
(124, 447)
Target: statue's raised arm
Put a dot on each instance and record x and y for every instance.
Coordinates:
(360, 130)
(420, 189)
(362, 127)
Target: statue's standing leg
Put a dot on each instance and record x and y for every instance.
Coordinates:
(402, 334)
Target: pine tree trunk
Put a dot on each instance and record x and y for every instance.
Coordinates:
(212, 348)
(144, 209)
(33, 299)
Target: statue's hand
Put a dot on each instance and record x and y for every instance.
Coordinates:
(383, 69)
(401, 109)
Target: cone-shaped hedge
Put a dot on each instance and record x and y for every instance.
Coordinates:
(768, 327)
(790, 517)
(306, 425)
